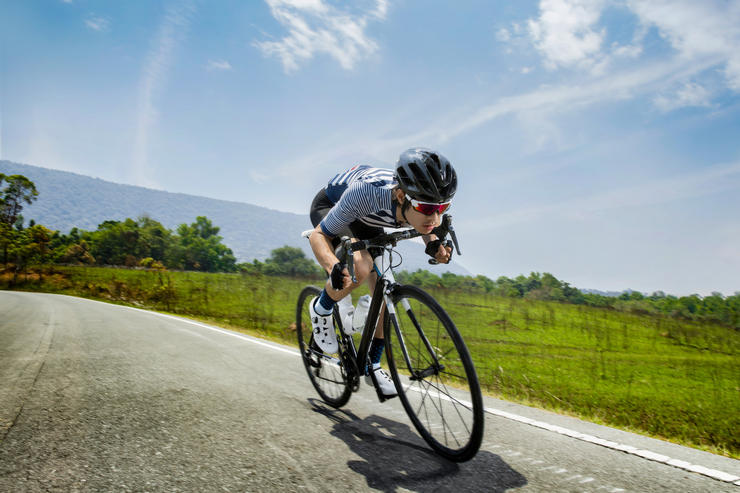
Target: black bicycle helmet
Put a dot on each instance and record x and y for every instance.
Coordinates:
(426, 175)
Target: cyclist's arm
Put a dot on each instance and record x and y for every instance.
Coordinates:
(357, 201)
(322, 249)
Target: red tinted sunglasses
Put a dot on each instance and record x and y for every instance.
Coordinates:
(429, 208)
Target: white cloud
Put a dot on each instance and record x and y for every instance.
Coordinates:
(315, 27)
(97, 23)
(696, 30)
(565, 32)
(503, 35)
(689, 94)
(381, 9)
(158, 62)
(626, 51)
(572, 34)
(568, 33)
(220, 65)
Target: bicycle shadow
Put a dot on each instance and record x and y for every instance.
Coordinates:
(393, 456)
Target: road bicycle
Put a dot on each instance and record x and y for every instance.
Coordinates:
(427, 358)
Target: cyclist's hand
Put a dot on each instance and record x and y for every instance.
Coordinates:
(340, 278)
(443, 254)
(439, 251)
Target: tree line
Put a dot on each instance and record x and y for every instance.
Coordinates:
(141, 242)
(144, 242)
(546, 287)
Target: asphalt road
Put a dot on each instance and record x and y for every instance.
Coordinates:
(98, 397)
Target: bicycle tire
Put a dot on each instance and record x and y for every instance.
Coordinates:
(444, 402)
(326, 372)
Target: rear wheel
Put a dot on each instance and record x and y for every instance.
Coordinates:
(326, 371)
(434, 374)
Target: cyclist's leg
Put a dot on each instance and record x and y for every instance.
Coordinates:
(377, 375)
(322, 306)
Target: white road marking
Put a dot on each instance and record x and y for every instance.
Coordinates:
(253, 340)
(712, 473)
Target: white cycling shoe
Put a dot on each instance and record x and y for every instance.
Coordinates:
(323, 330)
(383, 381)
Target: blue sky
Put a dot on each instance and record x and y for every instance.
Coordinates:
(594, 140)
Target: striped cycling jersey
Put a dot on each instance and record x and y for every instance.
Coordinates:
(360, 193)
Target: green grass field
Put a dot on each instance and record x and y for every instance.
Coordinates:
(672, 379)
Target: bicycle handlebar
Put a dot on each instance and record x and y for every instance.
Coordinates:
(381, 241)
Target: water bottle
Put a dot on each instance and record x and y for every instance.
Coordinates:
(358, 320)
(346, 312)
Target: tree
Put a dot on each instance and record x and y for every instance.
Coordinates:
(289, 261)
(115, 243)
(77, 253)
(8, 240)
(198, 247)
(19, 190)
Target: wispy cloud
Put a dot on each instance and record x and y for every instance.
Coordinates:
(688, 94)
(442, 130)
(97, 22)
(220, 65)
(316, 27)
(158, 62)
(532, 108)
(626, 84)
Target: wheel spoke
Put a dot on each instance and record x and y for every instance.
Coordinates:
(445, 405)
(325, 371)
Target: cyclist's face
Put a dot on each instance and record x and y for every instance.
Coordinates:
(420, 222)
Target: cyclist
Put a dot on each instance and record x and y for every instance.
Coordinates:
(358, 203)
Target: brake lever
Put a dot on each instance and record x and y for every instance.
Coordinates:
(446, 228)
(347, 244)
(454, 239)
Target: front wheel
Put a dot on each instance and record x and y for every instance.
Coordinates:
(434, 374)
(326, 371)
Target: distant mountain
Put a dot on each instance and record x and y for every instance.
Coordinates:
(67, 200)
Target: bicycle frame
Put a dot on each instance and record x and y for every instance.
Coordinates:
(384, 287)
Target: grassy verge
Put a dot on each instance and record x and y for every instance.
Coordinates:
(667, 378)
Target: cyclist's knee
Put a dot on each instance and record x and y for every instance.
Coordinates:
(363, 267)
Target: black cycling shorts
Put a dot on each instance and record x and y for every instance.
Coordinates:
(321, 206)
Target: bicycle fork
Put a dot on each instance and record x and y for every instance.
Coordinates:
(436, 367)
